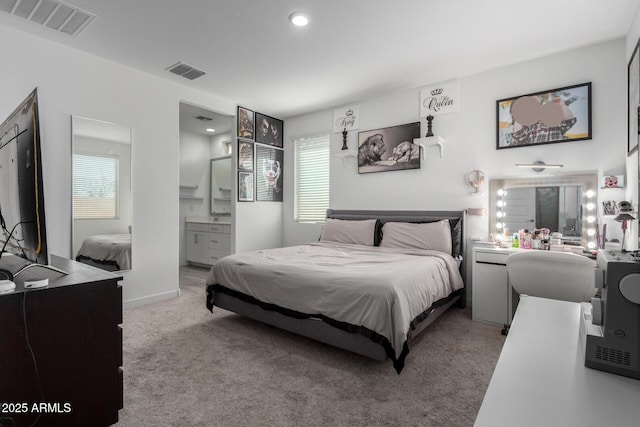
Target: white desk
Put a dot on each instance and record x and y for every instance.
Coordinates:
(541, 380)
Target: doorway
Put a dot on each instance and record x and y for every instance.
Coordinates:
(204, 135)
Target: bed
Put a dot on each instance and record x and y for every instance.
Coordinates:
(110, 252)
(353, 289)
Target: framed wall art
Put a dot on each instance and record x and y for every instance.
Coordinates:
(389, 149)
(245, 187)
(245, 155)
(547, 117)
(269, 130)
(633, 105)
(246, 123)
(613, 181)
(269, 179)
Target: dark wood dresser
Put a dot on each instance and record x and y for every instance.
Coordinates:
(74, 329)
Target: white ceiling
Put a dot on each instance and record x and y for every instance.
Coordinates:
(351, 50)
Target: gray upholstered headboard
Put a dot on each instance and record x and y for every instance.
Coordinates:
(456, 220)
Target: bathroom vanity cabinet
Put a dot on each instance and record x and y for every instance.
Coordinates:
(207, 242)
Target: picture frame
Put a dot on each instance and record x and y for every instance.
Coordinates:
(546, 117)
(613, 181)
(246, 186)
(245, 155)
(269, 173)
(633, 101)
(388, 149)
(245, 123)
(268, 130)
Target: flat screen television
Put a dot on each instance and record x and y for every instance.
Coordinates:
(22, 212)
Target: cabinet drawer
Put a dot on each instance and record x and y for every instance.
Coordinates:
(215, 240)
(196, 226)
(214, 255)
(220, 228)
(492, 258)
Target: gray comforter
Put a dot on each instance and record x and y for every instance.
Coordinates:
(108, 247)
(381, 289)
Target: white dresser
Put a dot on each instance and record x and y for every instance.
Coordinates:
(492, 297)
(207, 242)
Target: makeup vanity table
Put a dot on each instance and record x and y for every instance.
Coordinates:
(493, 299)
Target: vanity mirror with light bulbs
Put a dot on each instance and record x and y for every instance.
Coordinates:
(101, 194)
(566, 204)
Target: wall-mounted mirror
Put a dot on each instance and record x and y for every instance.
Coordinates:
(221, 185)
(101, 162)
(565, 204)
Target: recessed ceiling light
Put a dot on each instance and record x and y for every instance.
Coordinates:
(210, 130)
(299, 19)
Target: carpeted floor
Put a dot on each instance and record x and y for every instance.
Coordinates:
(184, 366)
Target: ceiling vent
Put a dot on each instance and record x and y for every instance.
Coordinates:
(53, 14)
(184, 70)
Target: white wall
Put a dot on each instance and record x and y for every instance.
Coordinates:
(471, 139)
(71, 82)
(219, 144)
(194, 160)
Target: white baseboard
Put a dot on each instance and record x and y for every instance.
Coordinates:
(151, 298)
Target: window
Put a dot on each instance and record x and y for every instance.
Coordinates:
(311, 178)
(95, 187)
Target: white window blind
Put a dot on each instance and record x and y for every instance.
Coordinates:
(311, 178)
(95, 187)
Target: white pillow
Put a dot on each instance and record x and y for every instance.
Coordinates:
(429, 235)
(349, 231)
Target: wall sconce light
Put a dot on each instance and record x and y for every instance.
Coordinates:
(430, 138)
(475, 178)
(539, 166)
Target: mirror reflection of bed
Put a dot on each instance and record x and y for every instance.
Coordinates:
(101, 194)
